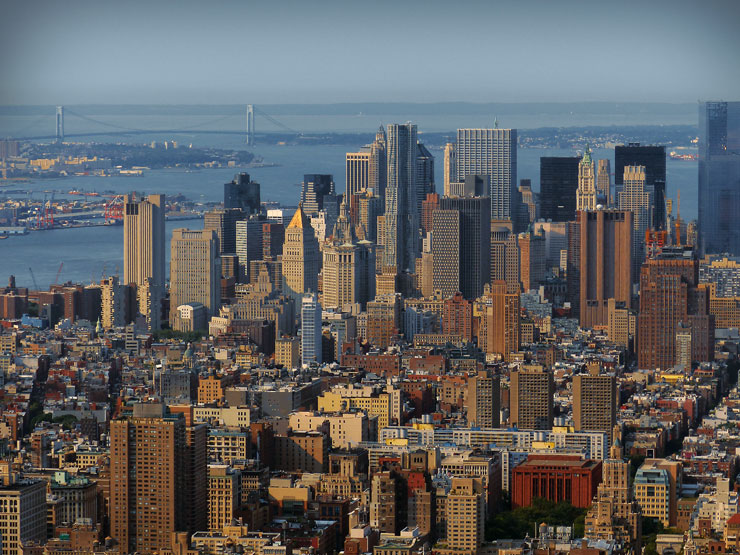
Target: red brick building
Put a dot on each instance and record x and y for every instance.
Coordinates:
(457, 318)
(555, 478)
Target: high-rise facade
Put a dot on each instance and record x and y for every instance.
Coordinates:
(614, 516)
(471, 251)
(502, 321)
(143, 248)
(378, 169)
(465, 508)
(635, 196)
(195, 271)
(401, 209)
(424, 174)
(605, 263)
(604, 181)
(719, 177)
(223, 222)
(450, 167)
(532, 260)
(558, 186)
(168, 467)
(484, 399)
(314, 190)
(505, 257)
(22, 514)
(112, 303)
(669, 296)
(301, 262)
(348, 270)
(242, 193)
(586, 193)
(653, 159)
(357, 177)
(310, 329)
(445, 251)
(249, 244)
(491, 152)
(531, 398)
(595, 399)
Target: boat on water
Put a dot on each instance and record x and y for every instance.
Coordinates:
(4, 236)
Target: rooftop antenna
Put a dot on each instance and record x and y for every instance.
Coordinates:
(495, 122)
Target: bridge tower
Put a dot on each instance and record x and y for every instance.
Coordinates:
(60, 124)
(250, 124)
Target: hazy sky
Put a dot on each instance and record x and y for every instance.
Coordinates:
(158, 51)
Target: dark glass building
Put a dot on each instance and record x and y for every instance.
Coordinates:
(558, 185)
(653, 158)
(242, 193)
(719, 177)
(315, 187)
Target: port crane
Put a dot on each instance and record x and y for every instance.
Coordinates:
(33, 278)
(59, 271)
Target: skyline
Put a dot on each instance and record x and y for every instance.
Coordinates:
(290, 52)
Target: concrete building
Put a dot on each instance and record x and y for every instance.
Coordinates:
(249, 244)
(502, 322)
(531, 398)
(465, 510)
(484, 400)
(345, 429)
(242, 193)
(224, 495)
(532, 260)
(634, 196)
(301, 258)
(606, 244)
(604, 181)
(170, 478)
(491, 152)
(144, 250)
(311, 330)
(668, 296)
(22, 514)
(450, 167)
(586, 195)
(505, 257)
(302, 452)
(195, 271)
(595, 399)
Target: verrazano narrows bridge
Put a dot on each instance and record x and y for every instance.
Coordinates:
(115, 129)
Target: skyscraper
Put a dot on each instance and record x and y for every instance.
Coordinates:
(669, 295)
(505, 257)
(532, 260)
(195, 271)
(531, 403)
(450, 167)
(558, 186)
(503, 326)
(357, 176)
(652, 158)
(310, 329)
(604, 181)
(242, 193)
(492, 152)
(719, 177)
(586, 193)
(148, 505)
(465, 509)
(614, 516)
(143, 248)
(249, 244)
(348, 272)
(223, 222)
(484, 399)
(605, 263)
(424, 174)
(401, 213)
(315, 187)
(301, 263)
(472, 249)
(595, 399)
(378, 169)
(635, 197)
(446, 239)
(22, 513)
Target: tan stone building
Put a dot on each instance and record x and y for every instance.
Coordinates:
(224, 495)
(531, 398)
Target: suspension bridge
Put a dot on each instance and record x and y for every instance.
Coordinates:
(62, 113)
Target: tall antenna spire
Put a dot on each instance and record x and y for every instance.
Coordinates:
(495, 122)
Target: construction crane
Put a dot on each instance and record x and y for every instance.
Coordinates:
(36, 285)
(59, 271)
